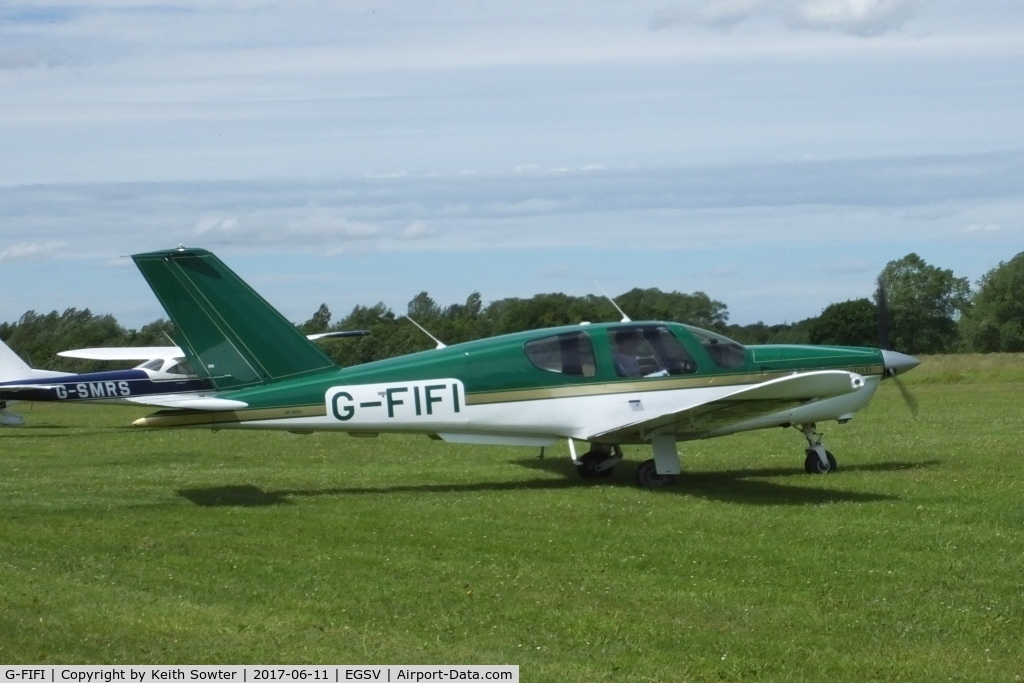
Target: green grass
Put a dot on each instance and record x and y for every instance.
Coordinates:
(133, 546)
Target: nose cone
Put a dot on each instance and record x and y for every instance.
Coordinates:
(897, 363)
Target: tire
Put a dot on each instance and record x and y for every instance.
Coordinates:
(587, 468)
(812, 463)
(647, 476)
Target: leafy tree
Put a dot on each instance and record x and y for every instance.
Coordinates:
(850, 323)
(695, 309)
(996, 319)
(423, 308)
(37, 338)
(320, 321)
(924, 304)
(544, 310)
(157, 333)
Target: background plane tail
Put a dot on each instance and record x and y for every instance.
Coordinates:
(229, 333)
(12, 367)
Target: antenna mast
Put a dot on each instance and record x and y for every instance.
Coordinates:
(625, 318)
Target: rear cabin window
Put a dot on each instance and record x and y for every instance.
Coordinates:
(567, 354)
(649, 351)
(725, 352)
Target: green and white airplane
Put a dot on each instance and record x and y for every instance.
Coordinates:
(605, 384)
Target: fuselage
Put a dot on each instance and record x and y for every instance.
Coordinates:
(114, 386)
(538, 386)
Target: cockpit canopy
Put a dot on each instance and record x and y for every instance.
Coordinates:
(637, 350)
(178, 366)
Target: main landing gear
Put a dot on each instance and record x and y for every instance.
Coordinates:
(818, 460)
(658, 472)
(664, 468)
(599, 461)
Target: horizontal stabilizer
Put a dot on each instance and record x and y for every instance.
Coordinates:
(188, 402)
(23, 388)
(744, 404)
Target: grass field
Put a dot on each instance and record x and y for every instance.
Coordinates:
(133, 546)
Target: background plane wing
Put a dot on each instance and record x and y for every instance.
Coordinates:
(745, 404)
(148, 352)
(338, 334)
(123, 352)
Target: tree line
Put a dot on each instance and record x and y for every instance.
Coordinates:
(919, 308)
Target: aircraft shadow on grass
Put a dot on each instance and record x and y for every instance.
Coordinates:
(55, 431)
(733, 486)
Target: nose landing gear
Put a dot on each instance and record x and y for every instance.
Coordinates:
(818, 460)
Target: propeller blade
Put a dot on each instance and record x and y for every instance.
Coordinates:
(882, 299)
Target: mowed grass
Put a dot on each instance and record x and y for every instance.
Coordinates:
(125, 545)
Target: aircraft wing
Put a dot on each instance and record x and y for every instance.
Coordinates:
(188, 402)
(335, 335)
(147, 352)
(123, 352)
(744, 404)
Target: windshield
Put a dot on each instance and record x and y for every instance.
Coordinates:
(725, 352)
(648, 351)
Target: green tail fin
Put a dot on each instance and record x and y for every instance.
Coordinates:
(229, 332)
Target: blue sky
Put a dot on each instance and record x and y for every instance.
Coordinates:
(772, 153)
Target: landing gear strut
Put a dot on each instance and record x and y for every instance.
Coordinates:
(818, 460)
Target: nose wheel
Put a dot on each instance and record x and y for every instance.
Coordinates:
(818, 460)
(814, 465)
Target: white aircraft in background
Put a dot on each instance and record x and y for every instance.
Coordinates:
(165, 378)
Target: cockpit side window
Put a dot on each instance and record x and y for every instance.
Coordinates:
(568, 354)
(649, 351)
(725, 352)
(182, 368)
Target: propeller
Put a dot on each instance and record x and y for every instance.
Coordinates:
(895, 362)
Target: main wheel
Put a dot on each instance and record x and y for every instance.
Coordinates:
(813, 464)
(588, 465)
(647, 476)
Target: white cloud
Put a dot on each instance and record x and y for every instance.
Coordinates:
(979, 229)
(32, 251)
(854, 17)
(857, 17)
(13, 60)
(720, 14)
(850, 266)
(418, 231)
(299, 228)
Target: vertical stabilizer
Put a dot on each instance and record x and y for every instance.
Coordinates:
(229, 332)
(12, 367)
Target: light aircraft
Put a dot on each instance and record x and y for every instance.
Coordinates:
(606, 384)
(165, 378)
